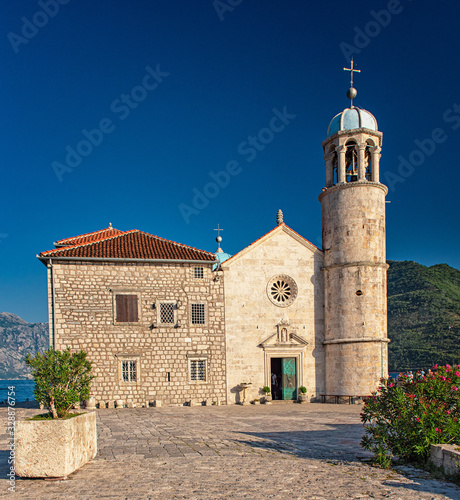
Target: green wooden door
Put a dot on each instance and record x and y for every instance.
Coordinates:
(288, 367)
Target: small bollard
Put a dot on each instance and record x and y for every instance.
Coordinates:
(90, 403)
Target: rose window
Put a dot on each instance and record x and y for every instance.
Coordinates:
(282, 290)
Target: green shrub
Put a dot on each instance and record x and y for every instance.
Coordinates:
(61, 379)
(303, 390)
(404, 417)
(266, 389)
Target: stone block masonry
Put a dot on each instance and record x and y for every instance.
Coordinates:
(146, 359)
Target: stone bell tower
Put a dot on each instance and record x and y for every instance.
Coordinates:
(355, 268)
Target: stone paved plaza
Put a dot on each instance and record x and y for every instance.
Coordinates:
(279, 451)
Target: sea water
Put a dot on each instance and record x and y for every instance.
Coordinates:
(24, 390)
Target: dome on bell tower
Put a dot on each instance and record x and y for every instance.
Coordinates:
(353, 144)
(350, 119)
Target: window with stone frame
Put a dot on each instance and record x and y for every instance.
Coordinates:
(126, 306)
(129, 370)
(198, 370)
(198, 272)
(167, 313)
(198, 314)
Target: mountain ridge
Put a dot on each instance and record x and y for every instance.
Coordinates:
(423, 315)
(17, 339)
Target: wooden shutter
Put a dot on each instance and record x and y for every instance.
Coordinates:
(122, 308)
(133, 316)
(127, 309)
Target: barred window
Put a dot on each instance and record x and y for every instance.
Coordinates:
(198, 272)
(167, 313)
(129, 371)
(198, 370)
(197, 314)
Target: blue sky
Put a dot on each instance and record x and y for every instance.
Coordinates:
(122, 111)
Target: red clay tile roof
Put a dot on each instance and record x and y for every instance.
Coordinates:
(132, 244)
(89, 237)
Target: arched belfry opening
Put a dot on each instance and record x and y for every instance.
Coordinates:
(352, 155)
(335, 168)
(351, 162)
(371, 156)
(368, 164)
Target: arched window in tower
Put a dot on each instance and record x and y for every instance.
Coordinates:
(351, 162)
(335, 169)
(368, 159)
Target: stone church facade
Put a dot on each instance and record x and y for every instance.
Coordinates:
(274, 314)
(167, 323)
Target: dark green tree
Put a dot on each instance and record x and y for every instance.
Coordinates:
(61, 379)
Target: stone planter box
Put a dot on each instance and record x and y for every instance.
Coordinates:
(54, 448)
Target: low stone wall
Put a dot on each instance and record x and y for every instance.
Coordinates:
(447, 456)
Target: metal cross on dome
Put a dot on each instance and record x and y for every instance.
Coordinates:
(352, 70)
(352, 92)
(218, 230)
(219, 237)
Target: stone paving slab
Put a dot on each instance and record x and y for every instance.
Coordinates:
(306, 451)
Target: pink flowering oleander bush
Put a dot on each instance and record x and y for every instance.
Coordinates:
(404, 417)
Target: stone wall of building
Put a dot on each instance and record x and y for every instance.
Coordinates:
(253, 319)
(85, 317)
